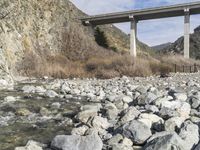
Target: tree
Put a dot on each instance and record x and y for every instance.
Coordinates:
(100, 38)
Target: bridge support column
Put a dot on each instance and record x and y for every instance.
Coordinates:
(133, 37)
(187, 33)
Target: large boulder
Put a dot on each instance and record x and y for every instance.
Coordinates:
(76, 142)
(165, 141)
(190, 134)
(135, 130)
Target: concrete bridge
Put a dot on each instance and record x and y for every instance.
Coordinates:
(134, 16)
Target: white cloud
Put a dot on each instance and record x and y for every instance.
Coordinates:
(151, 32)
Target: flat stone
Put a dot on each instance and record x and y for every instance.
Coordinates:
(31, 145)
(76, 142)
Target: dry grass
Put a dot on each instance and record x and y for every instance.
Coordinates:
(58, 66)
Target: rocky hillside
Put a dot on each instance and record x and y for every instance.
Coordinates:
(32, 31)
(178, 46)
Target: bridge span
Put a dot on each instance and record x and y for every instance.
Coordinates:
(134, 16)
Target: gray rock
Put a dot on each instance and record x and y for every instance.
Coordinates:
(85, 116)
(40, 89)
(190, 134)
(152, 108)
(51, 94)
(56, 105)
(127, 99)
(9, 99)
(129, 114)
(165, 141)
(195, 102)
(80, 130)
(117, 142)
(180, 96)
(197, 147)
(173, 124)
(31, 145)
(150, 119)
(28, 89)
(75, 142)
(135, 130)
(99, 122)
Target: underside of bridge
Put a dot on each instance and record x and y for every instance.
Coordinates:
(145, 14)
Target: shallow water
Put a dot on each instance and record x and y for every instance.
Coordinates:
(21, 129)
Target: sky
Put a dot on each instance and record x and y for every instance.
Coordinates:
(151, 32)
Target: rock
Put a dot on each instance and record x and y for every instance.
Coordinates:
(99, 122)
(180, 96)
(31, 145)
(197, 147)
(173, 123)
(152, 108)
(167, 113)
(127, 99)
(150, 119)
(65, 89)
(120, 104)
(23, 112)
(190, 134)
(135, 130)
(76, 142)
(84, 116)
(80, 130)
(95, 107)
(195, 102)
(158, 102)
(56, 105)
(129, 114)
(44, 111)
(182, 108)
(115, 139)
(40, 89)
(28, 89)
(142, 89)
(111, 111)
(9, 99)
(165, 141)
(117, 142)
(51, 94)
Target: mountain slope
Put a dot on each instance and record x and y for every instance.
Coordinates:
(161, 46)
(35, 31)
(178, 45)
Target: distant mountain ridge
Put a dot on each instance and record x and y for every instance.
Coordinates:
(178, 45)
(161, 46)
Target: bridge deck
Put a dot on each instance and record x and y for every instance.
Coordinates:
(144, 14)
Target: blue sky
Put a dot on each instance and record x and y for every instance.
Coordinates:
(151, 32)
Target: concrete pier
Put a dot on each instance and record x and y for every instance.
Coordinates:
(187, 33)
(133, 37)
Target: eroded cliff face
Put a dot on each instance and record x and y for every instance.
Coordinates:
(36, 29)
